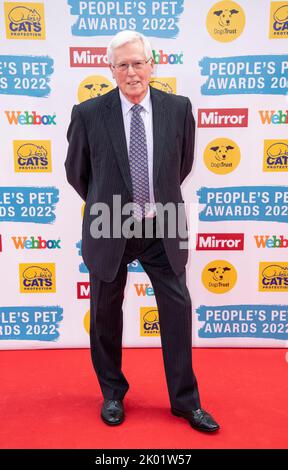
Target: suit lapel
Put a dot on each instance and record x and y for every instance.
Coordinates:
(159, 128)
(115, 125)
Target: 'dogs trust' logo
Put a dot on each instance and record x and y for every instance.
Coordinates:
(225, 21)
(278, 20)
(273, 276)
(93, 86)
(32, 156)
(219, 276)
(24, 20)
(275, 155)
(222, 156)
(37, 278)
(149, 322)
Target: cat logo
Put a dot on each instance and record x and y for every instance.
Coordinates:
(149, 322)
(24, 20)
(33, 156)
(37, 278)
(164, 84)
(273, 276)
(278, 20)
(275, 155)
(225, 21)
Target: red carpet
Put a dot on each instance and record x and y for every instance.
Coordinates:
(51, 399)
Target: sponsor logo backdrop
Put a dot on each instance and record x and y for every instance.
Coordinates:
(230, 58)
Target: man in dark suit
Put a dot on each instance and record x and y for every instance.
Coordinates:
(136, 143)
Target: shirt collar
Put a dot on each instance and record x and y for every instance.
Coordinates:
(127, 105)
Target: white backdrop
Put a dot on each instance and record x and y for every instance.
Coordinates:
(231, 59)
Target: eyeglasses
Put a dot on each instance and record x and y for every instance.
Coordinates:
(136, 65)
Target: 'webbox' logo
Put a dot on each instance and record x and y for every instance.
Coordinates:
(273, 117)
(35, 243)
(223, 117)
(26, 118)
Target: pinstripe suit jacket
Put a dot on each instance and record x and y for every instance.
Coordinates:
(97, 167)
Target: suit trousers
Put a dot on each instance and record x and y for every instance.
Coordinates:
(175, 318)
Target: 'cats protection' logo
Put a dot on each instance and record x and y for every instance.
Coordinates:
(32, 156)
(273, 276)
(275, 155)
(149, 321)
(219, 276)
(24, 20)
(222, 156)
(93, 86)
(278, 20)
(225, 21)
(167, 84)
(37, 278)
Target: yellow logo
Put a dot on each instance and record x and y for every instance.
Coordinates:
(278, 20)
(222, 156)
(149, 321)
(83, 209)
(33, 156)
(86, 321)
(93, 86)
(24, 20)
(275, 155)
(167, 84)
(219, 276)
(37, 278)
(225, 21)
(273, 276)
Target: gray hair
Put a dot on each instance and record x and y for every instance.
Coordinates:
(128, 36)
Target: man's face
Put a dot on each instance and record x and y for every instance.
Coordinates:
(133, 83)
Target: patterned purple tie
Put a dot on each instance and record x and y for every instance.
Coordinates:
(138, 160)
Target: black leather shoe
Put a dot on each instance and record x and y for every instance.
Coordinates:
(112, 412)
(199, 419)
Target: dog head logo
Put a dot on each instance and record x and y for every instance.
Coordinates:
(222, 156)
(278, 20)
(225, 21)
(93, 87)
(221, 152)
(219, 276)
(219, 272)
(273, 276)
(225, 16)
(96, 89)
(24, 20)
(275, 155)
